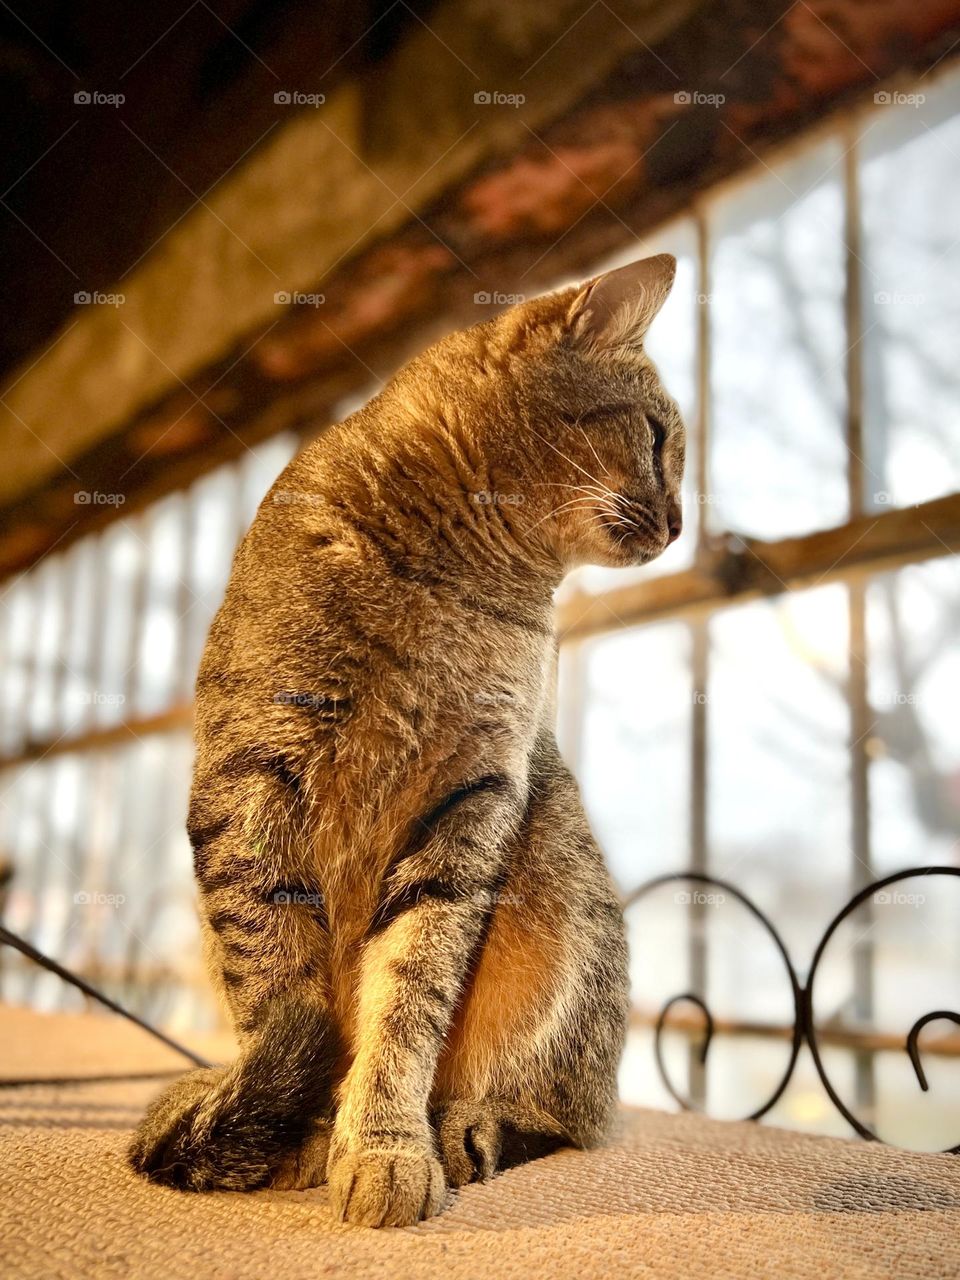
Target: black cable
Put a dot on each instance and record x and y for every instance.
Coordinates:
(31, 952)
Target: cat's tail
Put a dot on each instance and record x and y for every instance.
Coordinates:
(232, 1127)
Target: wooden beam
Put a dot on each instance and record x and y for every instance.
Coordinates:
(100, 739)
(326, 182)
(623, 158)
(734, 570)
(692, 1027)
(738, 570)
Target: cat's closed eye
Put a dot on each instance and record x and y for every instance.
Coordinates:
(659, 433)
(600, 414)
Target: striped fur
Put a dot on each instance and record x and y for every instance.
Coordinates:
(405, 911)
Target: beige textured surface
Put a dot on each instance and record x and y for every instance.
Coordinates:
(58, 1045)
(674, 1196)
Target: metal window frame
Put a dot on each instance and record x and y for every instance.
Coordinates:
(729, 569)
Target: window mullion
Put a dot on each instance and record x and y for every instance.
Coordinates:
(860, 721)
(853, 314)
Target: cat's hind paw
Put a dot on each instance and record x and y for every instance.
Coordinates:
(307, 1166)
(470, 1137)
(479, 1138)
(195, 1138)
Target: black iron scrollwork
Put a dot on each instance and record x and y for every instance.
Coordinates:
(804, 1029)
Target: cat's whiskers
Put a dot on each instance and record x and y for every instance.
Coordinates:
(613, 517)
(586, 501)
(588, 490)
(556, 484)
(613, 508)
(603, 468)
(566, 458)
(643, 517)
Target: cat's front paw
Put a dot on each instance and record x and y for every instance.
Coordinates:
(383, 1187)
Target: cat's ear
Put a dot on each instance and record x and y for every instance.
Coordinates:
(615, 310)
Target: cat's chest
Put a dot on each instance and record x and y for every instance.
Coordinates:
(418, 726)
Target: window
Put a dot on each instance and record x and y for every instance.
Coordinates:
(101, 646)
(775, 298)
(796, 742)
(772, 702)
(909, 197)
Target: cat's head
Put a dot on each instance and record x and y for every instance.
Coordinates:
(599, 442)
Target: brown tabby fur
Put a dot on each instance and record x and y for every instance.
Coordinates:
(410, 922)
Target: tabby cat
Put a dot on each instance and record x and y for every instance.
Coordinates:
(404, 909)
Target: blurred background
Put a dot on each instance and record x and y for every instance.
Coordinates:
(223, 226)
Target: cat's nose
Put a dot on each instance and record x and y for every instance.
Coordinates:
(674, 522)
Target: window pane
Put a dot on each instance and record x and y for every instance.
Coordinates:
(778, 777)
(212, 533)
(913, 620)
(46, 640)
(123, 565)
(18, 615)
(84, 587)
(634, 750)
(910, 202)
(778, 457)
(164, 531)
(103, 878)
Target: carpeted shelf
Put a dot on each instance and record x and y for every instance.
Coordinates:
(674, 1196)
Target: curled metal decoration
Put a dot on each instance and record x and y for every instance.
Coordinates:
(912, 1046)
(731, 889)
(691, 998)
(803, 1004)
